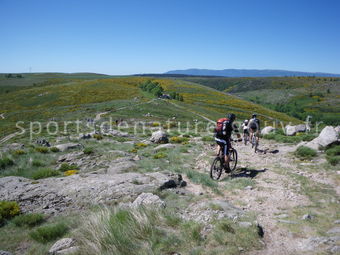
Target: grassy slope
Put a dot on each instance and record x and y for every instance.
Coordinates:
(67, 98)
(297, 96)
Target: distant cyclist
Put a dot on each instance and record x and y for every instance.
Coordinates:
(245, 131)
(223, 133)
(254, 127)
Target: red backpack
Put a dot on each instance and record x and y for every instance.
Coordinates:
(219, 125)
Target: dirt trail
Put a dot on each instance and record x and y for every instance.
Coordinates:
(274, 196)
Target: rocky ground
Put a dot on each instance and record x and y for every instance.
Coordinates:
(295, 203)
(292, 213)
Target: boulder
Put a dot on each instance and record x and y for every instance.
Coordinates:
(68, 146)
(61, 245)
(290, 130)
(267, 130)
(328, 136)
(69, 251)
(300, 128)
(43, 142)
(114, 132)
(14, 147)
(164, 146)
(148, 199)
(159, 137)
(5, 253)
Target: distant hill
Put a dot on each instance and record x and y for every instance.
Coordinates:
(247, 73)
(297, 96)
(42, 97)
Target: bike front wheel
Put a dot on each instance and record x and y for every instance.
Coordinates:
(216, 169)
(233, 160)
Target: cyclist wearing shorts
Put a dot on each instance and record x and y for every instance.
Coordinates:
(254, 127)
(223, 133)
(245, 129)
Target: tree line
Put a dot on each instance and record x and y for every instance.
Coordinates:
(157, 90)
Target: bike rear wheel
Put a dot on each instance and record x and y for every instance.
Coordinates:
(233, 159)
(216, 169)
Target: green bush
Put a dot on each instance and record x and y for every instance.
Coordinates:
(66, 167)
(44, 173)
(19, 152)
(54, 149)
(49, 233)
(5, 162)
(178, 139)
(308, 137)
(28, 220)
(333, 160)
(333, 151)
(88, 150)
(42, 149)
(8, 209)
(160, 155)
(37, 163)
(98, 136)
(305, 152)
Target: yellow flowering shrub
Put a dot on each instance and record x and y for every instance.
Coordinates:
(70, 172)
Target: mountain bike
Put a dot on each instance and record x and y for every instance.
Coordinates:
(218, 165)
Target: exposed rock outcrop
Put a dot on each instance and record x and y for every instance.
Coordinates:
(159, 137)
(267, 130)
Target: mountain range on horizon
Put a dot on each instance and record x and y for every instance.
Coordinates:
(247, 73)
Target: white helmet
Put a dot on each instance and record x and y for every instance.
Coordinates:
(245, 121)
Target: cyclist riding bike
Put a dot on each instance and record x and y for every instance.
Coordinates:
(254, 127)
(223, 133)
(245, 130)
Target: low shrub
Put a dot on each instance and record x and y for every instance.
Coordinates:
(333, 160)
(160, 155)
(19, 152)
(70, 172)
(88, 150)
(42, 149)
(178, 139)
(37, 163)
(308, 137)
(305, 152)
(5, 162)
(8, 209)
(333, 151)
(65, 167)
(134, 150)
(140, 145)
(44, 173)
(54, 149)
(49, 233)
(155, 124)
(98, 136)
(170, 125)
(28, 220)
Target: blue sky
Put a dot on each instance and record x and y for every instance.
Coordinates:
(127, 37)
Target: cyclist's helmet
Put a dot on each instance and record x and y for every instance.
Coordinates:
(231, 117)
(245, 121)
(254, 115)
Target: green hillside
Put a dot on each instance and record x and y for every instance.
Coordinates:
(71, 96)
(296, 96)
